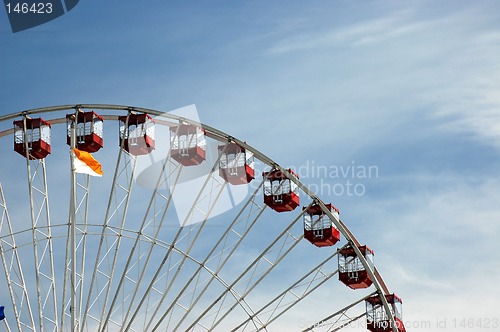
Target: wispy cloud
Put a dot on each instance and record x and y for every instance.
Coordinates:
(364, 32)
(390, 26)
(471, 104)
(445, 67)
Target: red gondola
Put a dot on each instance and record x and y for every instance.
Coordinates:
(89, 131)
(376, 316)
(280, 193)
(37, 137)
(351, 270)
(236, 164)
(188, 144)
(319, 229)
(137, 134)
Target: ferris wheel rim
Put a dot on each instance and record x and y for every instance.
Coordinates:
(221, 136)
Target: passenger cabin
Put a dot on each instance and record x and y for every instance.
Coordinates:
(280, 193)
(32, 138)
(236, 165)
(351, 271)
(319, 229)
(377, 318)
(89, 131)
(187, 144)
(137, 133)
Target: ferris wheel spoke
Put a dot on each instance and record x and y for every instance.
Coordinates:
(298, 293)
(284, 247)
(261, 271)
(149, 222)
(204, 201)
(211, 184)
(229, 241)
(295, 293)
(150, 230)
(346, 323)
(13, 270)
(159, 211)
(340, 319)
(42, 244)
(111, 236)
(80, 217)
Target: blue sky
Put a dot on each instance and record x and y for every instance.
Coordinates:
(409, 87)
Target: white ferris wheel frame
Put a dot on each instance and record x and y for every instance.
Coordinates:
(73, 291)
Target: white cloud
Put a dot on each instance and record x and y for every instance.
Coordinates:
(371, 74)
(437, 248)
(472, 107)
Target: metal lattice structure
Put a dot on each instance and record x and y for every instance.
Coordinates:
(107, 254)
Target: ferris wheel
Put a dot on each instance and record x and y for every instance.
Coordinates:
(181, 228)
